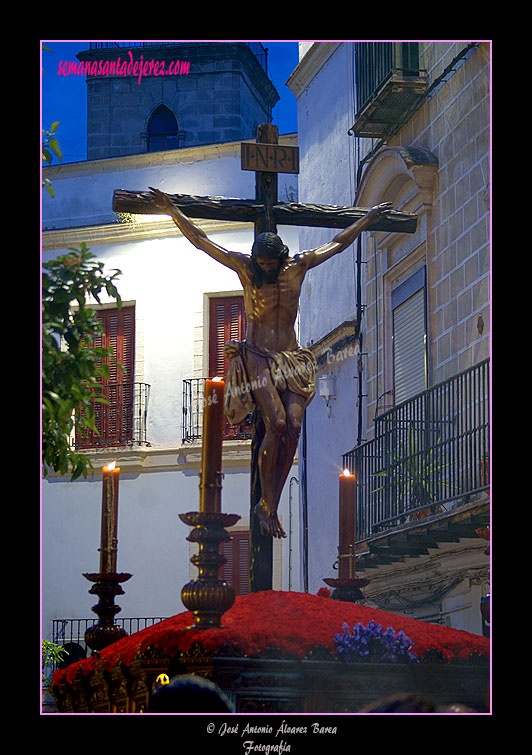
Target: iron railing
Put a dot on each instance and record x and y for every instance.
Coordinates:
(70, 634)
(257, 48)
(427, 454)
(193, 395)
(376, 61)
(121, 420)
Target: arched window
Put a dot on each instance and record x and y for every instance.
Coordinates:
(399, 301)
(162, 130)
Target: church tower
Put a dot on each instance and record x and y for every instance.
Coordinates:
(149, 97)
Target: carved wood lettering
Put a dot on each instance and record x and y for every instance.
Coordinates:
(272, 158)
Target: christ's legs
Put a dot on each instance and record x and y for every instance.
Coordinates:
(294, 408)
(282, 420)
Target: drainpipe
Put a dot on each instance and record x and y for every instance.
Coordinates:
(292, 479)
(304, 510)
(358, 333)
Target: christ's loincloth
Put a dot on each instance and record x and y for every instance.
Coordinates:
(293, 371)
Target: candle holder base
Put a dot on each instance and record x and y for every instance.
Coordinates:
(208, 597)
(347, 589)
(107, 587)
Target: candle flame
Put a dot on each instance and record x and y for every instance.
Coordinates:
(347, 473)
(111, 466)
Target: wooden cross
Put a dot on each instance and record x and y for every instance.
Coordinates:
(267, 158)
(265, 211)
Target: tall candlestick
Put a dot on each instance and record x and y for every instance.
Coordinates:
(347, 523)
(109, 542)
(211, 463)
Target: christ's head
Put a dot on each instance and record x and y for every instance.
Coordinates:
(268, 254)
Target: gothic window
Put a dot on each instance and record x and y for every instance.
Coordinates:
(162, 130)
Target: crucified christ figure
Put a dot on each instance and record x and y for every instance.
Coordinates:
(269, 371)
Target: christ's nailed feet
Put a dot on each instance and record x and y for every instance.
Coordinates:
(269, 521)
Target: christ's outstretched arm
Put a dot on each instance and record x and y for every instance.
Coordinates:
(194, 234)
(343, 239)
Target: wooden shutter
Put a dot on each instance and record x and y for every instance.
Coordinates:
(114, 421)
(227, 321)
(236, 570)
(409, 338)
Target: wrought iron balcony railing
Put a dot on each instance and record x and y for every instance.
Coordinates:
(389, 81)
(122, 420)
(70, 634)
(193, 393)
(427, 454)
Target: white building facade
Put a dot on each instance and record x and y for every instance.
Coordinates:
(169, 287)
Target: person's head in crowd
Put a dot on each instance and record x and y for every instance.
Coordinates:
(189, 693)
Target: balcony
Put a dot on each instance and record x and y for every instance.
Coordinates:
(193, 393)
(389, 83)
(428, 463)
(70, 634)
(121, 420)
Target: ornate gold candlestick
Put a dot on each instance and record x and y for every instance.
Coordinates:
(208, 596)
(105, 632)
(347, 587)
(107, 580)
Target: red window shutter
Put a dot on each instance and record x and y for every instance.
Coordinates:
(120, 336)
(243, 563)
(114, 421)
(236, 569)
(227, 321)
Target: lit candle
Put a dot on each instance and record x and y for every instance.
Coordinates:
(347, 523)
(109, 542)
(211, 463)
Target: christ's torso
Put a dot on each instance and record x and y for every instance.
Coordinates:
(271, 310)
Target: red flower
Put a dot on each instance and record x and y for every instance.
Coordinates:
(288, 623)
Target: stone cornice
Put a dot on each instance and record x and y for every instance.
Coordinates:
(126, 232)
(141, 459)
(105, 232)
(153, 159)
(310, 65)
(236, 453)
(330, 343)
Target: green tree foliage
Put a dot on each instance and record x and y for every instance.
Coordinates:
(51, 654)
(50, 147)
(72, 364)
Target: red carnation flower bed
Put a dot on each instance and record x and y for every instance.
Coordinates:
(291, 623)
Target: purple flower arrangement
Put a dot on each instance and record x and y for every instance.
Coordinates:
(373, 643)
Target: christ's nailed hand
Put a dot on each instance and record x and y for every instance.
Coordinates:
(160, 200)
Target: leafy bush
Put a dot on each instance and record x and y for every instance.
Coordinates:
(71, 362)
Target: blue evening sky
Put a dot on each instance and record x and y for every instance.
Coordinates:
(64, 98)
